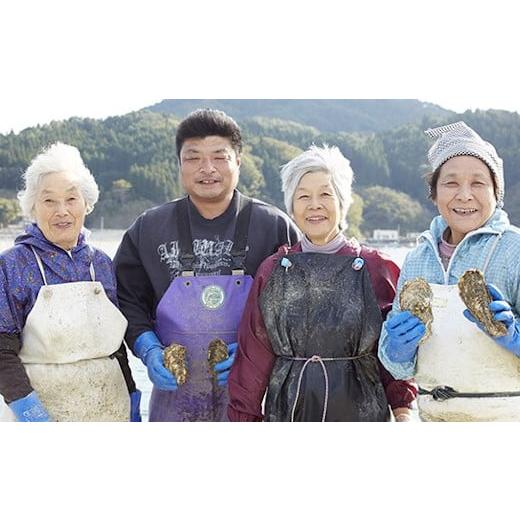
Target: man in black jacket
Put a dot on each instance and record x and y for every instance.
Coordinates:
(184, 270)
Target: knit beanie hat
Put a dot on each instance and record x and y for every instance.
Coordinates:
(459, 139)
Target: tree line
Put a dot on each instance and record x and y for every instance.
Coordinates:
(133, 160)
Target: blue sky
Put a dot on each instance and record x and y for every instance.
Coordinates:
(95, 59)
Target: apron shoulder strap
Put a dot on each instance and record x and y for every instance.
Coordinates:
(240, 247)
(186, 256)
(91, 267)
(40, 265)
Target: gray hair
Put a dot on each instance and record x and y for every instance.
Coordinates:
(328, 159)
(58, 157)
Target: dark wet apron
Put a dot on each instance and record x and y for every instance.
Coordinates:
(323, 322)
(195, 310)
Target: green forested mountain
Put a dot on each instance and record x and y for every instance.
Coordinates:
(327, 115)
(133, 159)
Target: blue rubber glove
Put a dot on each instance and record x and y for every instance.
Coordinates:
(404, 333)
(135, 402)
(29, 409)
(224, 367)
(501, 312)
(148, 347)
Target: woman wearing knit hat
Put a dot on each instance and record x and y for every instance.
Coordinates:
(464, 374)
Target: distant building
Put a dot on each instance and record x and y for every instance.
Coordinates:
(389, 235)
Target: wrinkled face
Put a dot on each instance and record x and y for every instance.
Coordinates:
(316, 209)
(209, 168)
(60, 209)
(465, 195)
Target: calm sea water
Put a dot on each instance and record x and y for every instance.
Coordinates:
(108, 240)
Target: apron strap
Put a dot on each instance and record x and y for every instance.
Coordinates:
(240, 247)
(91, 267)
(490, 254)
(40, 265)
(186, 256)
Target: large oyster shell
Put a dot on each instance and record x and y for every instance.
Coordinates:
(175, 362)
(416, 296)
(473, 291)
(217, 352)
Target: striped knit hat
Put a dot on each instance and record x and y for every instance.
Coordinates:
(459, 139)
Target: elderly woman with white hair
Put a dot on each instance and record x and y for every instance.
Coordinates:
(310, 328)
(61, 351)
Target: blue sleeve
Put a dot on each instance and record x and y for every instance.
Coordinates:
(398, 370)
(513, 287)
(12, 316)
(14, 383)
(105, 274)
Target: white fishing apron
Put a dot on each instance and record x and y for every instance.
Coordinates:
(67, 339)
(459, 355)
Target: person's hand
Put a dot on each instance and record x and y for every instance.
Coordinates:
(148, 347)
(135, 402)
(502, 312)
(29, 409)
(223, 368)
(402, 414)
(404, 333)
(159, 375)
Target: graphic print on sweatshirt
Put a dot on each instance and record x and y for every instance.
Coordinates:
(212, 257)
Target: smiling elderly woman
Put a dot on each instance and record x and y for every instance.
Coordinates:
(311, 324)
(61, 352)
(463, 373)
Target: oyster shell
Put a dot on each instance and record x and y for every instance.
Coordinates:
(473, 291)
(217, 352)
(416, 296)
(175, 362)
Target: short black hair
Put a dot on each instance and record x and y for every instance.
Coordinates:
(206, 122)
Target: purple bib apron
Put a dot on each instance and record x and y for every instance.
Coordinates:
(192, 312)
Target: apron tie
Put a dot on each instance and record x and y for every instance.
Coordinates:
(317, 359)
(441, 393)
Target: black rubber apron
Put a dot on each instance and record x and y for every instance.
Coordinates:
(323, 322)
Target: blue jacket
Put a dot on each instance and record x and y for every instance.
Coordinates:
(20, 278)
(20, 282)
(503, 270)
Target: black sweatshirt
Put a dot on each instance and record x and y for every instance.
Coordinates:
(148, 258)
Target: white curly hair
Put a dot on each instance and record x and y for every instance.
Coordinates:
(58, 157)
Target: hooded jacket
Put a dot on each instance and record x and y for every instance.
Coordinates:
(20, 283)
(497, 237)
